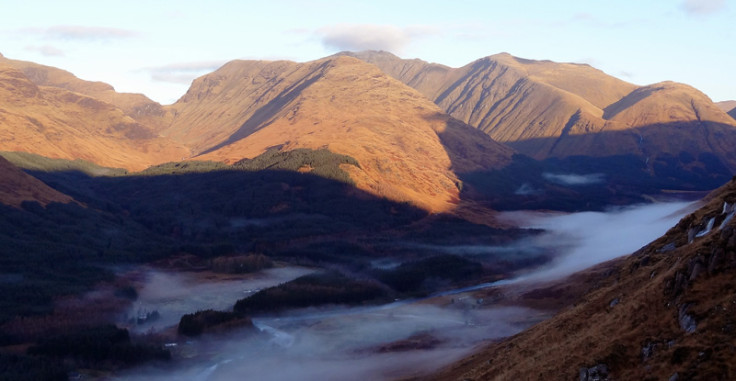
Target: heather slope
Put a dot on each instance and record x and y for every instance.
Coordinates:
(408, 149)
(667, 309)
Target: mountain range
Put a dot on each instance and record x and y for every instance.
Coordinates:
(546, 109)
(414, 127)
(348, 161)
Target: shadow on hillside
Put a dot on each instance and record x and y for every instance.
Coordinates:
(136, 219)
(190, 221)
(226, 204)
(651, 142)
(299, 218)
(579, 182)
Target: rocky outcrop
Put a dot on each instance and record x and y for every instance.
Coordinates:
(596, 373)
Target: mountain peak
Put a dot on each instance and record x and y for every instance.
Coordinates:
(406, 146)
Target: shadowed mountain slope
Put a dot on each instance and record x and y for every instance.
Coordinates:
(407, 148)
(665, 311)
(546, 109)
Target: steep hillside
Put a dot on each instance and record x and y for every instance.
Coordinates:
(58, 123)
(510, 98)
(546, 109)
(407, 148)
(662, 120)
(17, 186)
(665, 312)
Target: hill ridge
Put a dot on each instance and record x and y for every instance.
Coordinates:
(400, 138)
(547, 110)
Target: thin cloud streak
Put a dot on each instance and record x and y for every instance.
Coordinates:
(82, 33)
(703, 7)
(183, 72)
(47, 50)
(372, 37)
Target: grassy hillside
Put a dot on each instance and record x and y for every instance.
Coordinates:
(33, 162)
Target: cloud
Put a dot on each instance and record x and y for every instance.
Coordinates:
(372, 37)
(183, 72)
(47, 50)
(573, 179)
(703, 7)
(83, 33)
(76, 32)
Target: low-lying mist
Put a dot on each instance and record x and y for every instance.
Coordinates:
(173, 294)
(359, 344)
(584, 239)
(406, 337)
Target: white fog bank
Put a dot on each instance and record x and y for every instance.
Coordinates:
(584, 239)
(173, 294)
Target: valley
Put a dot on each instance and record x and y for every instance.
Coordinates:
(406, 337)
(358, 216)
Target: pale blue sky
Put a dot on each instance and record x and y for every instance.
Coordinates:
(157, 47)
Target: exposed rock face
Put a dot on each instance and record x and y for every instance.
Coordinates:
(676, 316)
(687, 322)
(595, 373)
